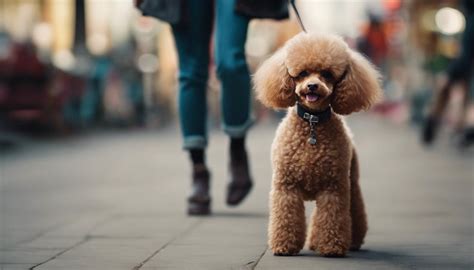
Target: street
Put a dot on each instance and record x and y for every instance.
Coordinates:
(117, 200)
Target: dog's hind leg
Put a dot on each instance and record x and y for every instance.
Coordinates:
(287, 226)
(358, 215)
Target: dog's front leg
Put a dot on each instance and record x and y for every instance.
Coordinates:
(332, 223)
(287, 226)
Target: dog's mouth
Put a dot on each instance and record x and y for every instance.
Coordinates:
(311, 97)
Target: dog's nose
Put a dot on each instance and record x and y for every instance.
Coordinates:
(313, 86)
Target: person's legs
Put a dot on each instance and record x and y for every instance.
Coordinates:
(458, 72)
(467, 136)
(231, 34)
(192, 38)
(441, 99)
(461, 121)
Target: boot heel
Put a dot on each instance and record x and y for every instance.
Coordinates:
(199, 208)
(199, 202)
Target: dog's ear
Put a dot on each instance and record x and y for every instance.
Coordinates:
(359, 88)
(273, 84)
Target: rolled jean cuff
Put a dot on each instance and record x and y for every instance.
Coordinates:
(194, 142)
(238, 131)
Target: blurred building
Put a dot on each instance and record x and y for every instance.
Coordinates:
(82, 47)
(101, 62)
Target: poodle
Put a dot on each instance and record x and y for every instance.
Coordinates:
(319, 78)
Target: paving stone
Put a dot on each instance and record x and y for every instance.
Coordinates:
(114, 201)
(26, 256)
(106, 254)
(19, 266)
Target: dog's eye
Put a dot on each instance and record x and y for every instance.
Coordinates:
(303, 74)
(327, 75)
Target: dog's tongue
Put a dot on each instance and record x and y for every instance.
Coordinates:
(311, 97)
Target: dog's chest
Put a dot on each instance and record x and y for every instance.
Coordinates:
(314, 162)
(311, 165)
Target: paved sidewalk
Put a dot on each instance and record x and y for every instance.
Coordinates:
(117, 201)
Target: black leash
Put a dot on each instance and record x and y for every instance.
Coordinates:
(292, 2)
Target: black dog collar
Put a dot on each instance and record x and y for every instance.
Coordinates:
(313, 119)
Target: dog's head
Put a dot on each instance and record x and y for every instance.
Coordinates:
(317, 71)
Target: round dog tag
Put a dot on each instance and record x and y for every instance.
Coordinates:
(312, 141)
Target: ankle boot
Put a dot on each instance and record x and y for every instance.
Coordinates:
(430, 129)
(467, 138)
(240, 180)
(199, 202)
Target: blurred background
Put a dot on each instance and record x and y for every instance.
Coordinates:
(91, 167)
(69, 66)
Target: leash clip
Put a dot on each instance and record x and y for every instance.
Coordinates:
(311, 118)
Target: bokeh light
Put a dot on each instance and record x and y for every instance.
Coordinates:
(97, 43)
(43, 35)
(64, 59)
(449, 21)
(147, 63)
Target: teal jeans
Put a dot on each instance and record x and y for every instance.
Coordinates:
(192, 37)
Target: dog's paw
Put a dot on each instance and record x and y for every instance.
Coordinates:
(334, 255)
(355, 247)
(284, 251)
(312, 247)
(356, 244)
(283, 254)
(332, 251)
